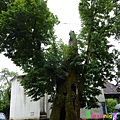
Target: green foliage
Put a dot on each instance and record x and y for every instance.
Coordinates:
(110, 104)
(5, 90)
(5, 100)
(4, 3)
(26, 21)
(27, 37)
(43, 80)
(96, 61)
(27, 32)
(118, 72)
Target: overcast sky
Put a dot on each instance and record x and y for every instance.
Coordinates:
(67, 12)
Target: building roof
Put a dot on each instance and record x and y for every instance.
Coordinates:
(18, 76)
(110, 91)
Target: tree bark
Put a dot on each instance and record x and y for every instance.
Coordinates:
(66, 105)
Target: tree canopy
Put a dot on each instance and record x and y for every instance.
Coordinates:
(99, 61)
(30, 29)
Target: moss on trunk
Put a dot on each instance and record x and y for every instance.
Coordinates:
(58, 108)
(66, 105)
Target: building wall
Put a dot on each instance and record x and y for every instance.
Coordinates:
(22, 107)
(99, 110)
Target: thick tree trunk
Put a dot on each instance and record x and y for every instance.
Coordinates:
(58, 109)
(66, 105)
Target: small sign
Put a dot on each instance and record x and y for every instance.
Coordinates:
(32, 113)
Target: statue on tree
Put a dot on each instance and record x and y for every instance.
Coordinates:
(72, 37)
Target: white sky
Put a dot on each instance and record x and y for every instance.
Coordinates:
(67, 12)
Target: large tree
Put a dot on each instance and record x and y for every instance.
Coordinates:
(71, 74)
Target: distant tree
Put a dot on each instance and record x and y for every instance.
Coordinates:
(72, 74)
(110, 104)
(5, 90)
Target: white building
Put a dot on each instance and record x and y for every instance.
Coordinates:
(22, 107)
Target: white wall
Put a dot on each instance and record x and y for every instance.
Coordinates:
(22, 107)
